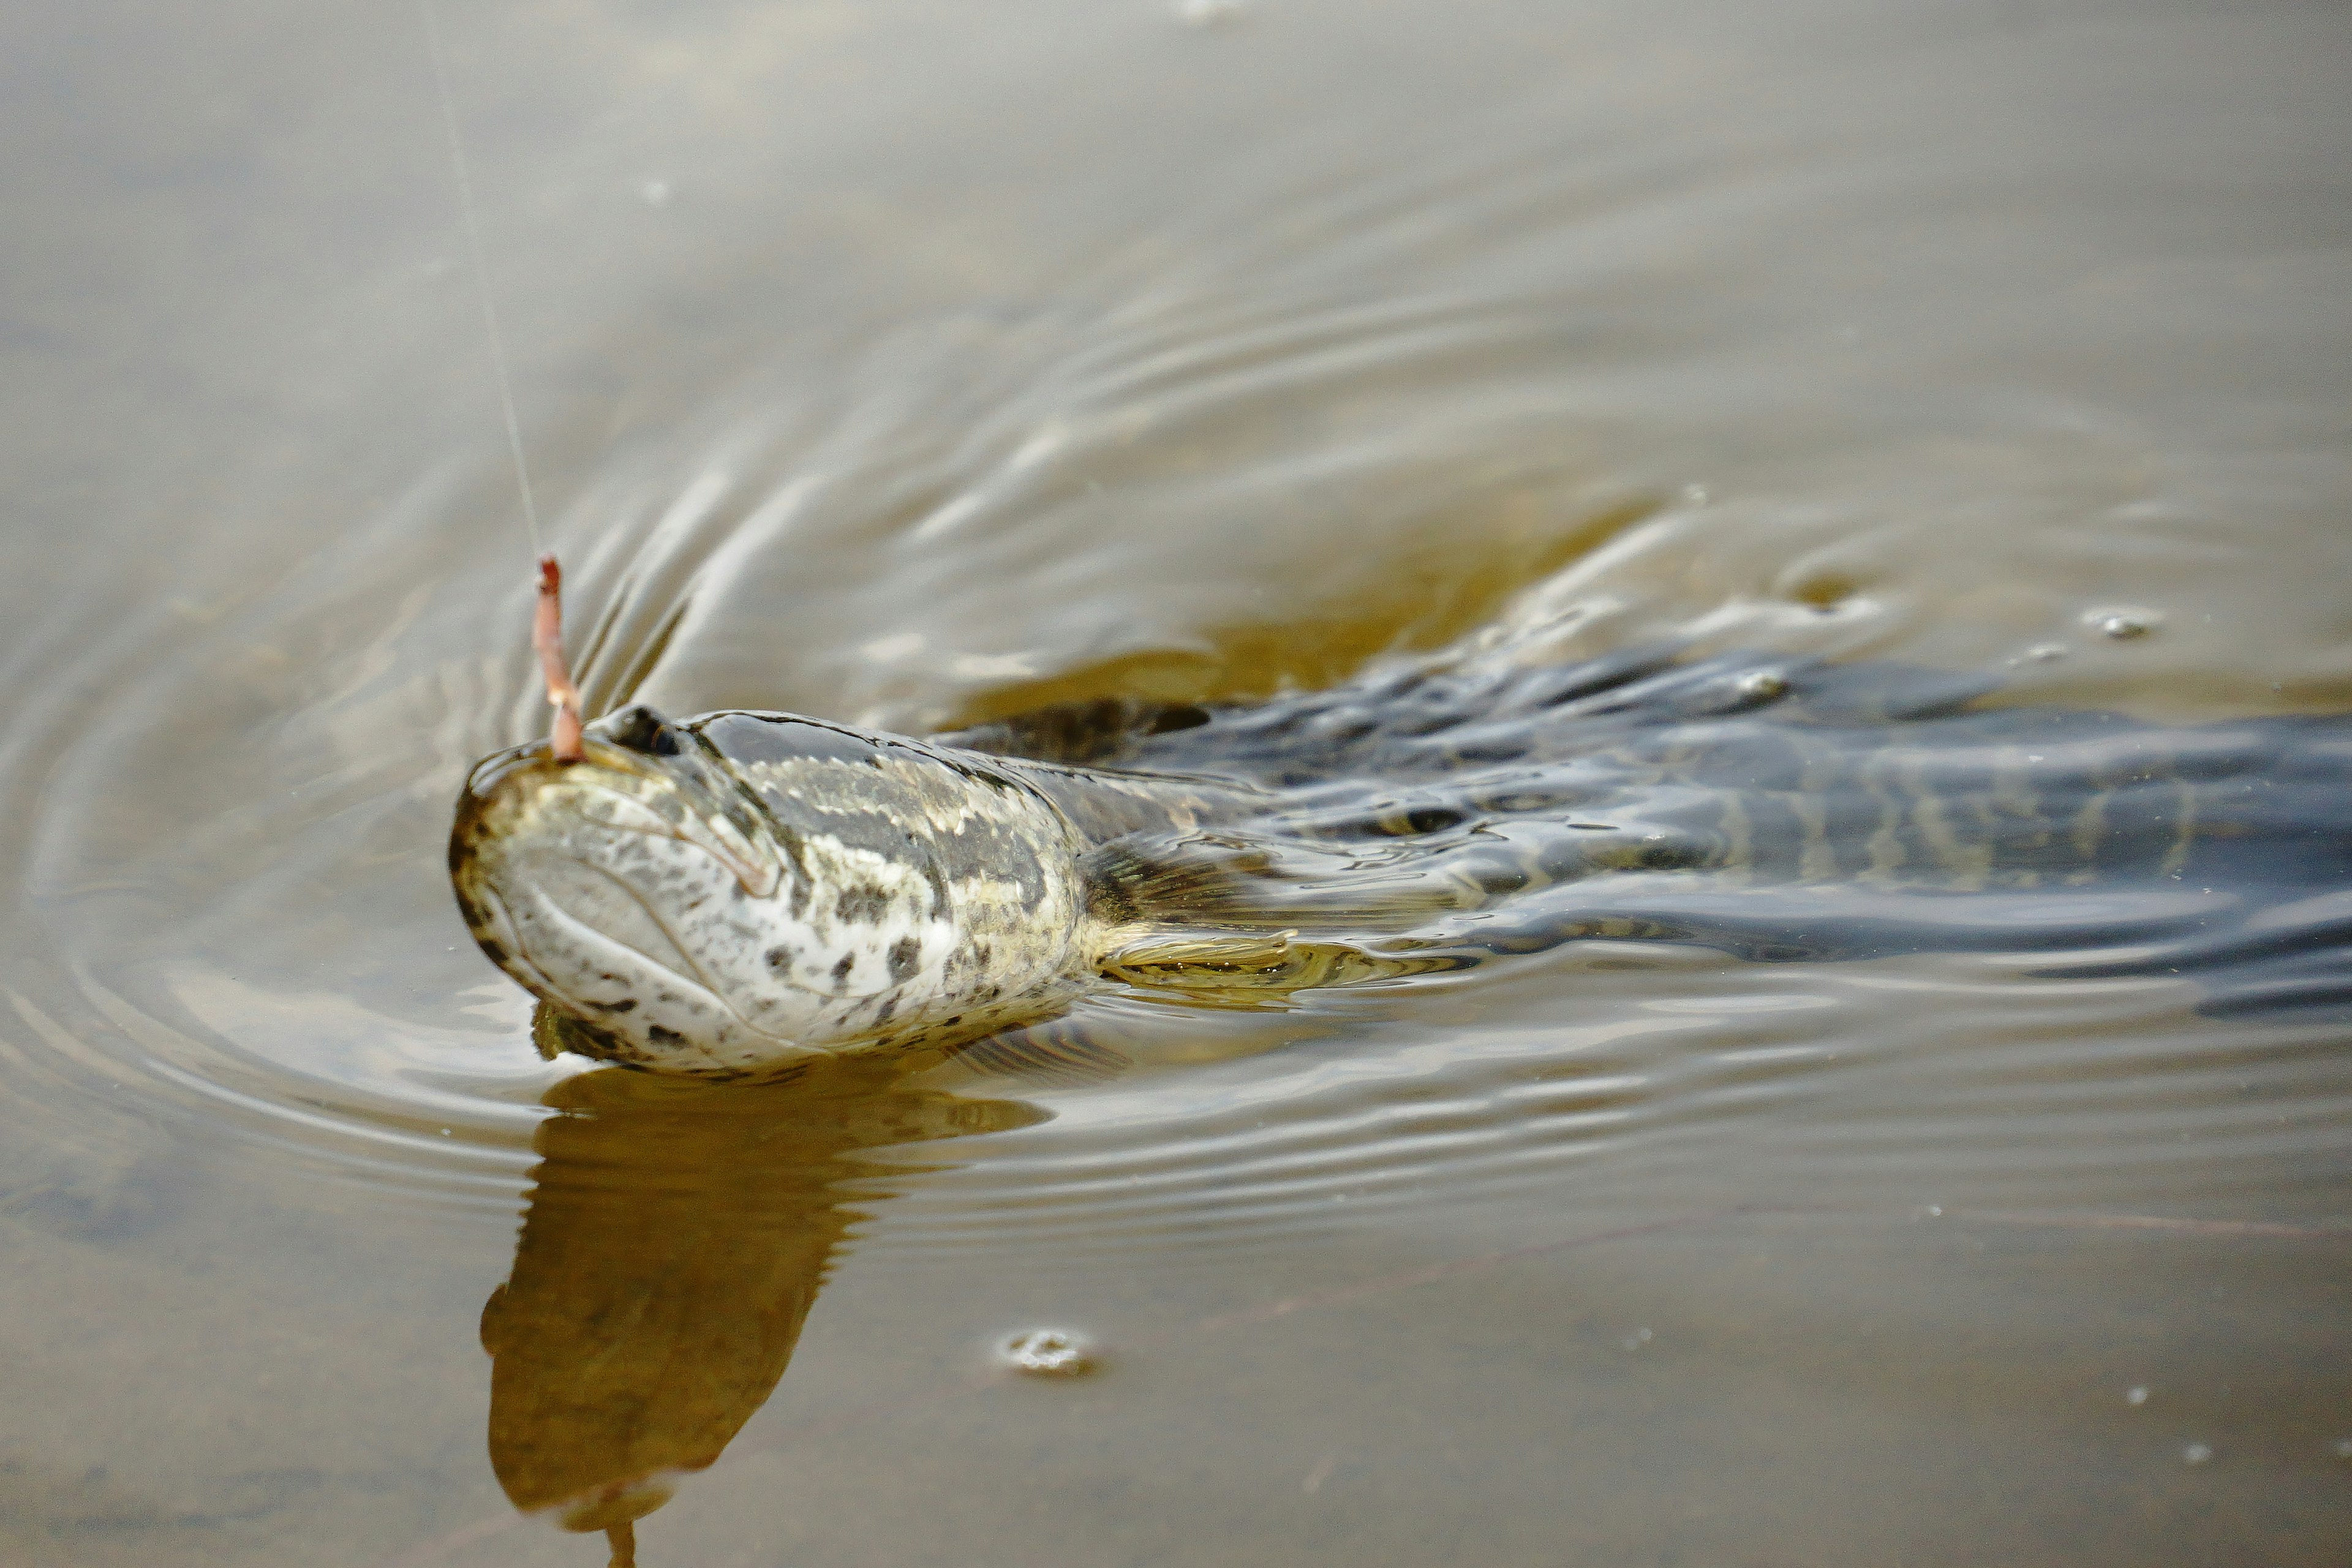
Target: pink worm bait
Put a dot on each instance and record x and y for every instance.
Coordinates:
(547, 637)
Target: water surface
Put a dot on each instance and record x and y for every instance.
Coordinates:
(909, 365)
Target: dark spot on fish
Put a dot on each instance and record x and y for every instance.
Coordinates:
(629, 1006)
(905, 954)
(491, 950)
(862, 903)
(980, 954)
(886, 1012)
(841, 971)
(796, 901)
(662, 1037)
(780, 958)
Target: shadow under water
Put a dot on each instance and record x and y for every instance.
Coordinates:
(676, 1235)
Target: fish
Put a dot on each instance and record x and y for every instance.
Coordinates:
(732, 893)
(728, 894)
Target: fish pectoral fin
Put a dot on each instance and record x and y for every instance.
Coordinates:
(1229, 968)
(1155, 877)
(555, 1033)
(1186, 957)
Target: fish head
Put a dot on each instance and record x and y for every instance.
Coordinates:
(652, 893)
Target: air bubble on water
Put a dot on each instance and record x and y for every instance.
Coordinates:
(1762, 685)
(1637, 1338)
(1049, 1352)
(1209, 13)
(655, 193)
(1931, 1211)
(2196, 1454)
(2137, 1395)
(2344, 1448)
(2042, 653)
(1696, 495)
(2122, 624)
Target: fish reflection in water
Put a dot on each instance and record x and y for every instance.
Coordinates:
(675, 1238)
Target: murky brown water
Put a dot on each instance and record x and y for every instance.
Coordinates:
(906, 362)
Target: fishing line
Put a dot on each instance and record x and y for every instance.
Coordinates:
(464, 178)
(547, 625)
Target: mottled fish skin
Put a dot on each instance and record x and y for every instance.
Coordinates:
(1775, 808)
(731, 894)
(1757, 772)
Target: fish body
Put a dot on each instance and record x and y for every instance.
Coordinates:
(732, 893)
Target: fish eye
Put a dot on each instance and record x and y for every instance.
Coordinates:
(641, 729)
